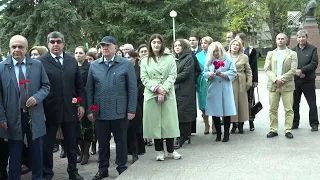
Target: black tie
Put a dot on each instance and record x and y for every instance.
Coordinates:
(23, 97)
(58, 61)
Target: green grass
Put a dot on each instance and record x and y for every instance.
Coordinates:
(261, 62)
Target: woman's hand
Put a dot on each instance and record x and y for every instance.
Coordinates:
(162, 91)
(160, 98)
(222, 74)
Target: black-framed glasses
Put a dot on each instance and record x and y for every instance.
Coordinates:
(55, 41)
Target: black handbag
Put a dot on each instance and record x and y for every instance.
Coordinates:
(257, 106)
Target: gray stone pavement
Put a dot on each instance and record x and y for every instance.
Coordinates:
(246, 156)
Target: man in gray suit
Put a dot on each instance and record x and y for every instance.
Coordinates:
(112, 86)
(23, 86)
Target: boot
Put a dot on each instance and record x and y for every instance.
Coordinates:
(85, 152)
(217, 124)
(214, 131)
(251, 124)
(93, 148)
(234, 128)
(63, 153)
(240, 127)
(227, 122)
(206, 125)
(178, 144)
(80, 144)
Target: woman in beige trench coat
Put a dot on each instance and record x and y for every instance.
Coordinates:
(240, 84)
(160, 116)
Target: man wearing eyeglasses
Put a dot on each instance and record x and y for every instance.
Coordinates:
(66, 83)
(23, 86)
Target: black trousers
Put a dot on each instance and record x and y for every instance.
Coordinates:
(4, 155)
(308, 90)
(185, 129)
(69, 134)
(158, 144)
(119, 129)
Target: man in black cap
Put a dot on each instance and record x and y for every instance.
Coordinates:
(112, 86)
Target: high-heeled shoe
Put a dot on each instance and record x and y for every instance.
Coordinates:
(251, 124)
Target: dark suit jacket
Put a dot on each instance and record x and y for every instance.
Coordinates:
(10, 110)
(113, 89)
(253, 61)
(66, 83)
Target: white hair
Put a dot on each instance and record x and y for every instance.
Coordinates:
(212, 47)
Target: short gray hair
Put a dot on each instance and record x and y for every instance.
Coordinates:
(302, 33)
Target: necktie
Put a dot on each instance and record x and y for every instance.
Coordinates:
(58, 60)
(23, 97)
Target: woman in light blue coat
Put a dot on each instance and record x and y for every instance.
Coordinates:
(219, 71)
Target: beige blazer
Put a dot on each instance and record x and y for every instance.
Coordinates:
(289, 67)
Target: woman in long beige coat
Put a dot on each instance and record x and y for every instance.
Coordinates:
(160, 114)
(241, 85)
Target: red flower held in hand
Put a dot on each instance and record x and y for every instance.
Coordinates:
(94, 108)
(221, 63)
(27, 81)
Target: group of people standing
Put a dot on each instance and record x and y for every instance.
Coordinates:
(138, 96)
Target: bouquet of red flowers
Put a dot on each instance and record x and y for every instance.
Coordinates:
(218, 64)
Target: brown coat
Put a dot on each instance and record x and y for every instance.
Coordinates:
(241, 85)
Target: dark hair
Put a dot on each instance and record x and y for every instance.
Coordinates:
(242, 36)
(163, 46)
(234, 34)
(92, 55)
(134, 54)
(197, 38)
(55, 34)
(141, 46)
(83, 48)
(184, 45)
(118, 50)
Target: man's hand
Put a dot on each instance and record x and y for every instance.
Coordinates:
(162, 91)
(279, 82)
(80, 112)
(298, 72)
(131, 116)
(4, 125)
(91, 117)
(31, 102)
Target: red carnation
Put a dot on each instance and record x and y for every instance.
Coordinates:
(21, 83)
(79, 99)
(221, 63)
(27, 80)
(94, 108)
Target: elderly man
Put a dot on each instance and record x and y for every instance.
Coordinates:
(280, 67)
(66, 84)
(305, 80)
(112, 85)
(127, 48)
(24, 85)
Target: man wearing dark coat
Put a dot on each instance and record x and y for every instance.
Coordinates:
(304, 80)
(23, 86)
(112, 86)
(66, 84)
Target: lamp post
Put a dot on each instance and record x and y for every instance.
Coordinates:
(173, 14)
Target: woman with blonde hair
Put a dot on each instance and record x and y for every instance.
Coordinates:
(37, 51)
(241, 84)
(202, 83)
(220, 71)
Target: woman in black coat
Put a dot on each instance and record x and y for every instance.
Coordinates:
(135, 139)
(85, 131)
(185, 91)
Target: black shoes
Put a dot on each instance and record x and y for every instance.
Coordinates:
(289, 135)
(93, 148)
(272, 134)
(47, 177)
(100, 175)
(240, 127)
(55, 148)
(234, 128)
(295, 126)
(218, 137)
(314, 128)
(75, 176)
(251, 124)
(63, 153)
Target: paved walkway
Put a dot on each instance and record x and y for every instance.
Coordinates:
(246, 156)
